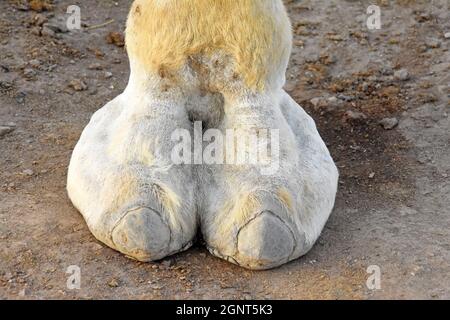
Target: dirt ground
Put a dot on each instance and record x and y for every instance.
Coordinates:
(381, 102)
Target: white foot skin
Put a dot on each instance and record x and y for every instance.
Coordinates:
(122, 180)
(261, 221)
(266, 240)
(122, 177)
(264, 237)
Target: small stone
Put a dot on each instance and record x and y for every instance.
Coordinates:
(78, 85)
(58, 26)
(401, 75)
(29, 73)
(389, 123)
(156, 287)
(35, 63)
(299, 43)
(51, 68)
(386, 71)
(20, 97)
(39, 19)
(46, 31)
(328, 104)
(345, 98)
(372, 175)
(318, 102)
(116, 38)
(447, 35)
(113, 283)
(28, 172)
(4, 130)
(95, 66)
(355, 115)
(6, 84)
(333, 102)
(108, 75)
(335, 37)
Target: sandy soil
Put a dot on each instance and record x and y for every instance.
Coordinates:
(393, 206)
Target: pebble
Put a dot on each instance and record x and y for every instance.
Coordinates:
(46, 31)
(35, 63)
(4, 130)
(39, 19)
(57, 26)
(326, 103)
(389, 123)
(156, 287)
(355, 115)
(78, 85)
(113, 283)
(447, 35)
(333, 102)
(402, 75)
(116, 38)
(345, 98)
(20, 97)
(318, 102)
(95, 66)
(108, 75)
(28, 172)
(6, 84)
(29, 73)
(386, 71)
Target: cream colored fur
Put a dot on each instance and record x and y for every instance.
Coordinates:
(221, 62)
(162, 35)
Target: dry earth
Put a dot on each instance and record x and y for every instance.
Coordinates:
(393, 206)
